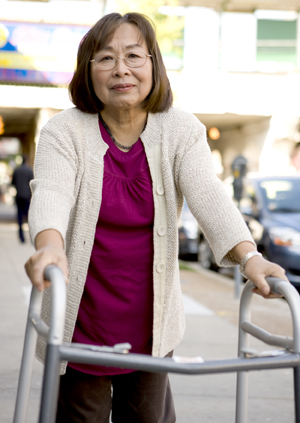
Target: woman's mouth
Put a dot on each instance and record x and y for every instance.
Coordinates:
(122, 87)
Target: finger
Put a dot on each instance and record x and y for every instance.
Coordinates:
(33, 273)
(262, 286)
(36, 267)
(271, 295)
(278, 272)
(47, 284)
(45, 259)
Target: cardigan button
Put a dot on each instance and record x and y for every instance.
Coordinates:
(160, 190)
(161, 231)
(160, 267)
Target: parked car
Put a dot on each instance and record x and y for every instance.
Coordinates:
(188, 232)
(192, 243)
(271, 208)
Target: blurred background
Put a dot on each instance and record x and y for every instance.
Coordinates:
(234, 64)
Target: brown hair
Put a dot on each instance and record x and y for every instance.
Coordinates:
(81, 88)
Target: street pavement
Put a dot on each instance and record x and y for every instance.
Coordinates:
(212, 333)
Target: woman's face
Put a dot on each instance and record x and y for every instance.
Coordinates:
(123, 87)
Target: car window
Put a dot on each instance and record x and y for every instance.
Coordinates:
(281, 195)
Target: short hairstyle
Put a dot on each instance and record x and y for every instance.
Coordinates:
(81, 88)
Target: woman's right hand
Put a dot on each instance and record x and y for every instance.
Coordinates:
(50, 250)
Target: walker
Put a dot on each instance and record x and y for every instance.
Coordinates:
(119, 355)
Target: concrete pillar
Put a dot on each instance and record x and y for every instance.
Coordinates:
(42, 117)
(238, 42)
(201, 56)
(201, 40)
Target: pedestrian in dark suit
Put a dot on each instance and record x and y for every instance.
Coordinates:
(21, 178)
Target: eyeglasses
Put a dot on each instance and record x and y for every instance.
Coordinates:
(109, 61)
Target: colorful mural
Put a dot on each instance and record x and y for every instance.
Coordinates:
(38, 53)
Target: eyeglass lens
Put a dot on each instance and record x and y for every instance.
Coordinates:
(133, 60)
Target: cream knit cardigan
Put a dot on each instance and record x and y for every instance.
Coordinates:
(67, 193)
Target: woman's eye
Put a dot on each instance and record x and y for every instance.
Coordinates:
(133, 56)
(105, 59)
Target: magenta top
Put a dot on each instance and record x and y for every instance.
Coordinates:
(117, 303)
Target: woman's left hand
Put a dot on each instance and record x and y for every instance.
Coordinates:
(257, 269)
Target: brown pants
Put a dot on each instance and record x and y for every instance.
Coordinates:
(138, 397)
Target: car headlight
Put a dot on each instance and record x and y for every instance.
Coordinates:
(284, 236)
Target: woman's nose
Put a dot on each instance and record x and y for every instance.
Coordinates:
(121, 67)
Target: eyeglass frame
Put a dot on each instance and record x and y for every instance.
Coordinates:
(121, 57)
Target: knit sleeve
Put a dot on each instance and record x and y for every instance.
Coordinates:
(53, 183)
(216, 213)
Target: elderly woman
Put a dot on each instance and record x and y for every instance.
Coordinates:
(110, 178)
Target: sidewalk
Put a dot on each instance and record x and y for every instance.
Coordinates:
(211, 398)
(211, 317)
(14, 292)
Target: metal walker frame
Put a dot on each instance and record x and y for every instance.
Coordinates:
(118, 355)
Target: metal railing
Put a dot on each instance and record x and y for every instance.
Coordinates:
(119, 356)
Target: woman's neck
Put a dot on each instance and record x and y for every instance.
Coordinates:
(125, 127)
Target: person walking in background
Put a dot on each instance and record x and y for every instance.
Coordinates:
(111, 175)
(21, 178)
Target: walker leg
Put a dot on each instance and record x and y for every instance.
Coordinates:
(242, 398)
(27, 361)
(50, 385)
(297, 393)
(25, 375)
